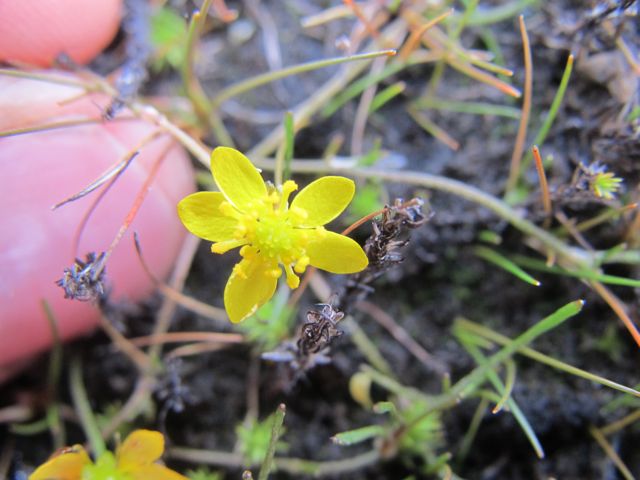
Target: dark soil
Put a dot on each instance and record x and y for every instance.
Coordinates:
(440, 279)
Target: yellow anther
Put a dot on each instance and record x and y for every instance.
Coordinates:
(249, 252)
(275, 272)
(302, 264)
(239, 271)
(223, 247)
(298, 215)
(240, 231)
(292, 279)
(229, 210)
(321, 231)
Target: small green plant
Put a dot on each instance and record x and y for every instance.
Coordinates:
(168, 35)
(605, 185)
(271, 324)
(254, 440)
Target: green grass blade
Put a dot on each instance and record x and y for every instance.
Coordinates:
(487, 333)
(506, 264)
(488, 16)
(553, 111)
(579, 273)
(504, 391)
(83, 408)
(358, 435)
(268, 77)
(475, 108)
(386, 95)
(358, 87)
(477, 376)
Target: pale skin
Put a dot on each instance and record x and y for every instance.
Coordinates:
(38, 170)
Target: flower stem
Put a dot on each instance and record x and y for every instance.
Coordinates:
(83, 407)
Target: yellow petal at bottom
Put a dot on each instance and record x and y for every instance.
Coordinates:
(252, 283)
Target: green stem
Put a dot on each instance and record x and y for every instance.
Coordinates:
(53, 379)
(553, 111)
(276, 431)
(195, 93)
(83, 407)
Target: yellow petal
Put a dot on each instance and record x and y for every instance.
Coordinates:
(65, 466)
(252, 283)
(236, 177)
(156, 472)
(323, 200)
(200, 213)
(140, 448)
(335, 253)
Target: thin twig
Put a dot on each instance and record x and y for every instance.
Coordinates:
(618, 307)
(622, 423)
(179, 337)
(137, 356)
(190, 303)
(402, 337)
(177, 281)
(611, 453)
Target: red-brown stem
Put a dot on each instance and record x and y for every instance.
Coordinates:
(130, 155)
(414, 39)
(138, 201)
(178, 337)
(516, 157)
(618, 307)
(371, 29)
(542, 177)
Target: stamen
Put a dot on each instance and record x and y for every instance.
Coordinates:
(292, 279)
(302, 264)
(275, 272)
(223, 247)
(248, 252)
(297, 215)
(239, 271)
(287, 189)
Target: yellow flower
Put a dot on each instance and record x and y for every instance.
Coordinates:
(256, 216)
(134, 460)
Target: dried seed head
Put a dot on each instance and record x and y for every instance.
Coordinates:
(85, 280)
(320, 329)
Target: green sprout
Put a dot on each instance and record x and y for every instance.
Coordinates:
(605, 185)
(254, 439)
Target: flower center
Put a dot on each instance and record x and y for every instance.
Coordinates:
(274, 237)
(266, 228)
